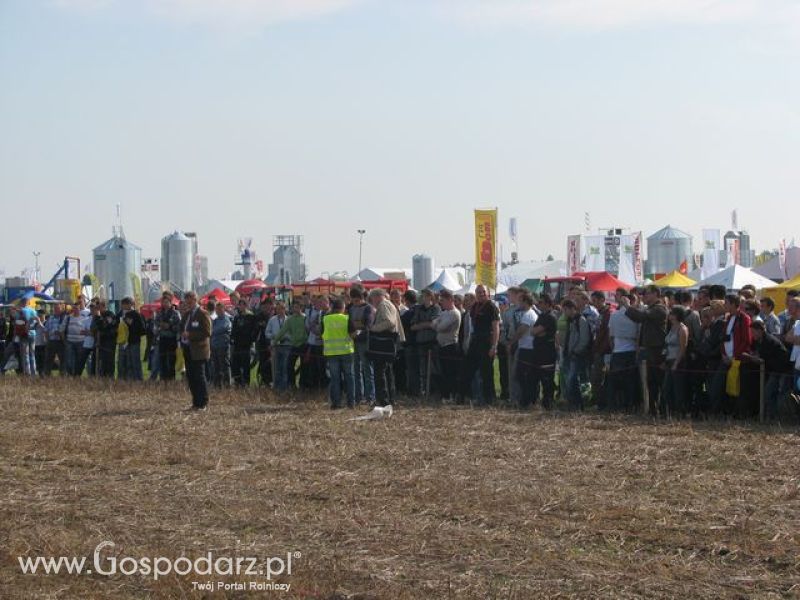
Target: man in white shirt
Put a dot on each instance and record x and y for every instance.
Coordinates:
(524, 340)
(448, 355)
(622, 375)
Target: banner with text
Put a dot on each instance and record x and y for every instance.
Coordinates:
(595, 253)
(486, 248)
(573, 254)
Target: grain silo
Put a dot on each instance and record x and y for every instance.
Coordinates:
(667, 248)
(177, 261)
(421, 271)
(116, 264)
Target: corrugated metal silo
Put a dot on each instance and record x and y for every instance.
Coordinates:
(421, 271)
(667, 248)
(177, 261)
(116, 261)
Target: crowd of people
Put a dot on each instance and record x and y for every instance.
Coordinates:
(676, 353)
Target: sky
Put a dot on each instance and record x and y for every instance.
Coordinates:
(254, 118)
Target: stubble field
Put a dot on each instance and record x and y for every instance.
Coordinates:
(434, 502)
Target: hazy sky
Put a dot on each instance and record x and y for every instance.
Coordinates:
(253, 118)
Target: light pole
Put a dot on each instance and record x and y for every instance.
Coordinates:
(36, 266)
(361, 233)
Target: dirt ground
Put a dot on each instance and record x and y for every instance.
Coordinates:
(436, 502)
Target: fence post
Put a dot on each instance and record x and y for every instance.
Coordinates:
(761, 399)
(645, 390)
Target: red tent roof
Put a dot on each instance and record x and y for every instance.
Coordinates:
(603, 281)
(217, 295)
(249, 286)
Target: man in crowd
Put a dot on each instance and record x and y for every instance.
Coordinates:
(482, 349)
(361, 316)
(385, 333)
(167, 326)
(446, 325)
(409, 347)
(195, 327)
(221, 328)
(243, 333)
(291, 342)
(544, 356)
(523, 339)
(737, 342)
(266, 310)
(577, 352)
(131, 352)
(601, 348)
(623, 373)
(772, 324)
(54, 349)
(337, 334)
(652, 318)
(425, 336)
(104, 328)
(769, 351)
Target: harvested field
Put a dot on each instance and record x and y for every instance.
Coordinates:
(434, 502)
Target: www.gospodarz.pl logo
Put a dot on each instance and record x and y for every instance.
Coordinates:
(157, 567)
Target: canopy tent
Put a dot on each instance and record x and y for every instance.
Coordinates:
(736, 277)
(603, 281)
(520, 272)
(445, 281)
(676, 279)
(778, 292)
(248, 286)
(217, 295)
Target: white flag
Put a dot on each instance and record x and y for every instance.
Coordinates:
(710, 253)
(595, 253)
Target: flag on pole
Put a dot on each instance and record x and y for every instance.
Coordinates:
(486, 248)
(782, 258)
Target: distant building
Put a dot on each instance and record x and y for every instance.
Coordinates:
(177, 260)
(288, 263)
(667, 248)
(117, 265)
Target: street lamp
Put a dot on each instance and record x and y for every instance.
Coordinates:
(361, 233)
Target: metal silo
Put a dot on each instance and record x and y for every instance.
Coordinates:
(421, 271)
(177, 261)
(116, 262)
(667, 248)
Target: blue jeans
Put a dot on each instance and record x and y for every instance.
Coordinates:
(281, 375)
(338, 365)
(27, 352)
(576, 371)
(364, 374)
(132, 357)
(623, 376)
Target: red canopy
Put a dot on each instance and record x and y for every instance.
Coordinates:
(248, 286)
(217, 295)
(148, 310)
(602, 281)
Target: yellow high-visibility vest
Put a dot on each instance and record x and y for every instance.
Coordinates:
(336, 340)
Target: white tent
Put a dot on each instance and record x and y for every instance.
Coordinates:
(470, 289)
(735, 277)
(373, 273)
(445, 281)
(520, 272)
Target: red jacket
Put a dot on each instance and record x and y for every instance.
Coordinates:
(742, 336)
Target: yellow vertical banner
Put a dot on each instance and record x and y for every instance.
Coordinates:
(486, 248)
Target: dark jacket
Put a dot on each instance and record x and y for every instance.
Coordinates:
(774, 354)
(136, 326)
(244, 331)
(197, 324)
(653, 321)
(104, 326)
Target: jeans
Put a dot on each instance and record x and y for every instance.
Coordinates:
(132, 359)
(364, 374)
(576, 371)
(339, 366)
(27, 352)
(281, 375)
(105, 361)
(122, 364)
(531, 375)
(773, 396)
(424, 351)
(383, 385)
(623, 376)
(221, 357)
(240, 365)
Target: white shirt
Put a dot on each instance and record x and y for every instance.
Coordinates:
(624, 331)
(527, 318)
(274, 326)
(796, 347)
(729, 332)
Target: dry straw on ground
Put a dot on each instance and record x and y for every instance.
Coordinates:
(435, 502)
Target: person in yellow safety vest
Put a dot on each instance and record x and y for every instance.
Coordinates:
(338, 348)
